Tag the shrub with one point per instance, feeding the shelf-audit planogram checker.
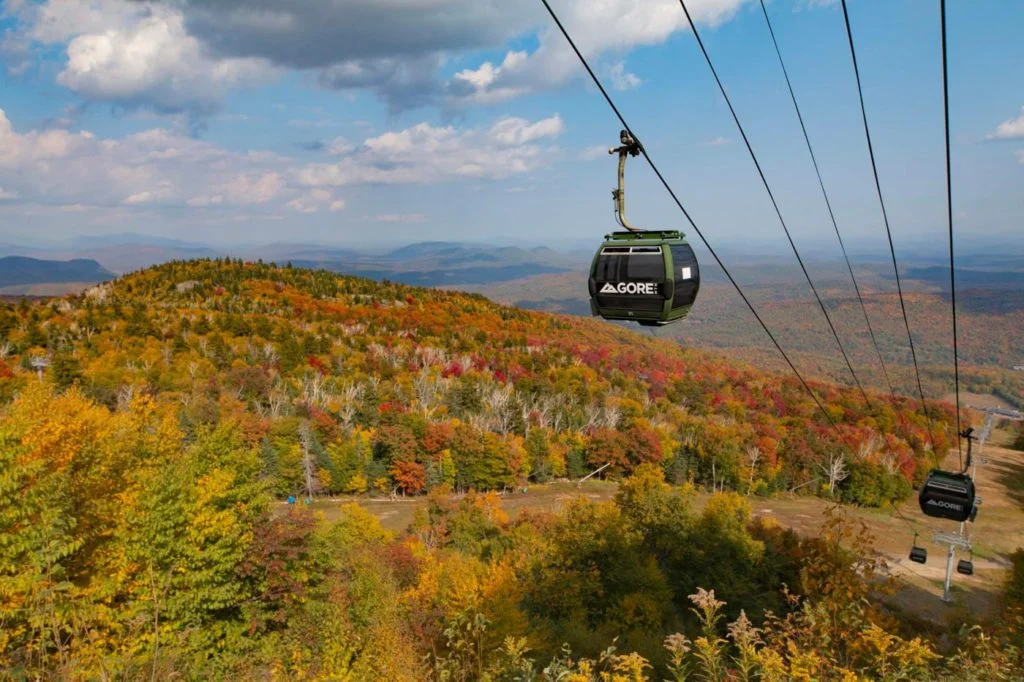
(870, 485)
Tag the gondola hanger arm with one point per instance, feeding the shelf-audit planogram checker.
(968, 434)
(630, 147)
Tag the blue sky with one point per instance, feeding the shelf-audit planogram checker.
(389, 121)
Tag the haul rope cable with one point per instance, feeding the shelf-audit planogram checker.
(828, 203)
(775, 204)
(949, 210)
(679, 204)
(885, 219)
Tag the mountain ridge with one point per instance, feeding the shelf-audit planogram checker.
(18, 270)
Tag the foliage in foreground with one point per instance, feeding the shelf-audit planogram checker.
(133, 549)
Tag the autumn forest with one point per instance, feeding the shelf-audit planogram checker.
(161, 434)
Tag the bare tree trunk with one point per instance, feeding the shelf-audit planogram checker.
(836, 470)
(753, 457)
(306, 442)
(592, 473)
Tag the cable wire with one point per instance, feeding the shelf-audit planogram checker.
(685, 213)
(898, 514)
(885, 218)
(828, 203)
(949, 210)
(778, 212)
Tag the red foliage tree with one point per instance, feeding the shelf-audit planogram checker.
(324, 423)
(454, 369)
(397, 442)
(409, 476)
(436, 438)
(318, 364)
(606, 446)
(277, 565)
(643, 445)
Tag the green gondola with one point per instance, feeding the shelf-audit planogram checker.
(951, 495)
(947, 495)
(646, 276)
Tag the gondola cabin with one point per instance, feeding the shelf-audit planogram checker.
(646, 277)
(947, 495)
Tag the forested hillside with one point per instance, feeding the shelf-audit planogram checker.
(990, 343)
(382, 387)
(140, 537)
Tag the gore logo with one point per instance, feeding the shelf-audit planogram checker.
(946, 505)
(643, 288)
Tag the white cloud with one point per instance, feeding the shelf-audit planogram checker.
(716, 142)
(424, 153)
(56, 21)
(139, 54)
(622, 79)
(243, 189)
(159, 168)
(594, 152)
(36, 147)
(315, 200)
(513, 130)
(1009, 130)
(487, 73)
(148, 196)
(479, 80)
(58, 167)
(184, 55)
(339, 145)
(395, 218)
(599, 28)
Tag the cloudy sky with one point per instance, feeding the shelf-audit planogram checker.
(351, 121)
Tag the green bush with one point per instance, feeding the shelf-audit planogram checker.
(870, 485)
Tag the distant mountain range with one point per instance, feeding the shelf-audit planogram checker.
(441, 263)
(18, 270)
(118, 257)
(424, 263)
(460, 264)
(971, 278)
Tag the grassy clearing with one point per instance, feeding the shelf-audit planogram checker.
(397, 513)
